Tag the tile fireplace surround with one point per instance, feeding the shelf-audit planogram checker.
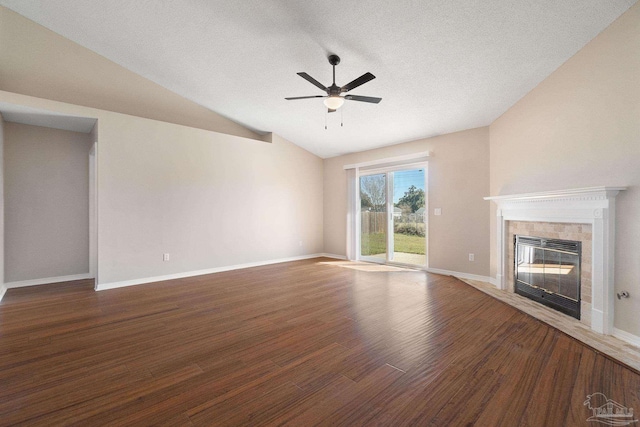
(584, 214)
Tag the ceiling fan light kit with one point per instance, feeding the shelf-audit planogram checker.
(333, 100)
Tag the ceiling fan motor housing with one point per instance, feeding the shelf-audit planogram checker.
(334, 90)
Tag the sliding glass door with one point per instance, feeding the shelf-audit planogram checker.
(393, 216)
(373, 217)
(409, 217)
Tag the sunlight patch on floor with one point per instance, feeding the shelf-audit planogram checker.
(364, 266)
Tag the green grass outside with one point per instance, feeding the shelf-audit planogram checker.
(373, 244)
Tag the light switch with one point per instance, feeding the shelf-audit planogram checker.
(437, 211)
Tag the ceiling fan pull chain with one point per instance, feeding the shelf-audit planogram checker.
(326, 113)
(341, 117)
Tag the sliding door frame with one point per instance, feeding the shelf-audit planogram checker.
(388, 171)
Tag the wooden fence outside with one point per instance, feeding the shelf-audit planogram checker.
(373, 222)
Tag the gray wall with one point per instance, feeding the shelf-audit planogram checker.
(46, 202)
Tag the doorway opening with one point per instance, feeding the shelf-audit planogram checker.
(50, 194)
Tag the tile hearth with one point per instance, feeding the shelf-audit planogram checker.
(582, 214)
(606, 344)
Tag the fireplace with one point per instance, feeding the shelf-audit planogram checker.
(575, 208)
(548, 271)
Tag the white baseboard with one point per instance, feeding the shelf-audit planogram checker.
(47, 280)
(498, 281)
(141, 281)
(43, 281)
(627, 337)
(460, 275)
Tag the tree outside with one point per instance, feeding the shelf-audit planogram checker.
(409, 223)
(412, 200)
(373, 193)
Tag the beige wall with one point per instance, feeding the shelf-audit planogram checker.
(458, 180)
(208, 199)
(580, 128)
(46, 202)
(38, 62)
(1, 204)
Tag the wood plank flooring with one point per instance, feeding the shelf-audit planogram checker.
(314, 342)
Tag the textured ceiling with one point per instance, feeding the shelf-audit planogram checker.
(441, 67)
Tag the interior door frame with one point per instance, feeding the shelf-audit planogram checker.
(388, 171)
(93, 212)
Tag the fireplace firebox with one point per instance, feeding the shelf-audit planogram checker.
(548, 271)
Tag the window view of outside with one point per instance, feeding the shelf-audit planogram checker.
(408, 217)
(409, 225)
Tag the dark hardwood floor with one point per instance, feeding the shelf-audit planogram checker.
(301, 343)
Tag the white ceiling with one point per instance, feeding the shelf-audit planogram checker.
(441, 66)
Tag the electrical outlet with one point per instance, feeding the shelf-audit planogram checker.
(472, 257)
(165, 257)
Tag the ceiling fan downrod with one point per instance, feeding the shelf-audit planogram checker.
(334, 60)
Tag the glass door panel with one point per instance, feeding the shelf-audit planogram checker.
(569, 278)
(537, 268)
(373, 217)
(409, 217)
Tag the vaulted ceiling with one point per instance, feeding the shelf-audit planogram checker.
(440, 67)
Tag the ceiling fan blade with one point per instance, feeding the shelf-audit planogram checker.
(371, 99)
(313, 81)
(357, 82)
(305, 97)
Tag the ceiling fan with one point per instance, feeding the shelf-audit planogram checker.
(334, 99)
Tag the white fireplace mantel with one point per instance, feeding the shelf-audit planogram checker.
(595, 206)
